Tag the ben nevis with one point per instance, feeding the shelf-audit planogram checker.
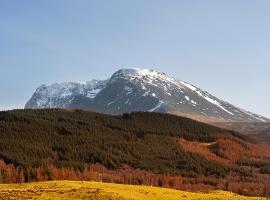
(129, 90)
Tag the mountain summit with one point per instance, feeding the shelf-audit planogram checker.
(130, 90)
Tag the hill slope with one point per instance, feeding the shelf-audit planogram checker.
(103, 191)
(149, 148)
(28, 137)
(259, 131)
(130, 90)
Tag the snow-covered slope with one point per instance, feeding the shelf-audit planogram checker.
(61, 95)
(140, 90)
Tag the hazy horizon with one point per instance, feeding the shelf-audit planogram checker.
(222, 47)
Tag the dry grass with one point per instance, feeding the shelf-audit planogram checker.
(104, 191)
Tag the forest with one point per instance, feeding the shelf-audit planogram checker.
(137, 148)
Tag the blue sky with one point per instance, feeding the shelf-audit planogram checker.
(221, 46)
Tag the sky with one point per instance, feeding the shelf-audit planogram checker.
(221, 46)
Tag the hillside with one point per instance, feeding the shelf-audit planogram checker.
(138, 148)
(103, 191)
(130, 90)
(246, 128)
(259, 131)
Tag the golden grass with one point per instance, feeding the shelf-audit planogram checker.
(105, 191)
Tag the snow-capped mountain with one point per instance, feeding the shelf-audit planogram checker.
(140, 90)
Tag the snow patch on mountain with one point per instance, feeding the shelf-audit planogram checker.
(128, 90)
(93, 93)
(159, 104)
(146, 93)
(259, 117)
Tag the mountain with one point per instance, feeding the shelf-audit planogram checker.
(137, 148)
(260, 131)
(246, 128)
(130, 90)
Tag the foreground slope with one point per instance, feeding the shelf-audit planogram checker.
(129, 90)
(103, 191)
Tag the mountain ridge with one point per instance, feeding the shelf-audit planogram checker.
(129, 90)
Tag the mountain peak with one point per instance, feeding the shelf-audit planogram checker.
(145, 75)
(138, 72)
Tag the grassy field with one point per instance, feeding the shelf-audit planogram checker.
(104, 191)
